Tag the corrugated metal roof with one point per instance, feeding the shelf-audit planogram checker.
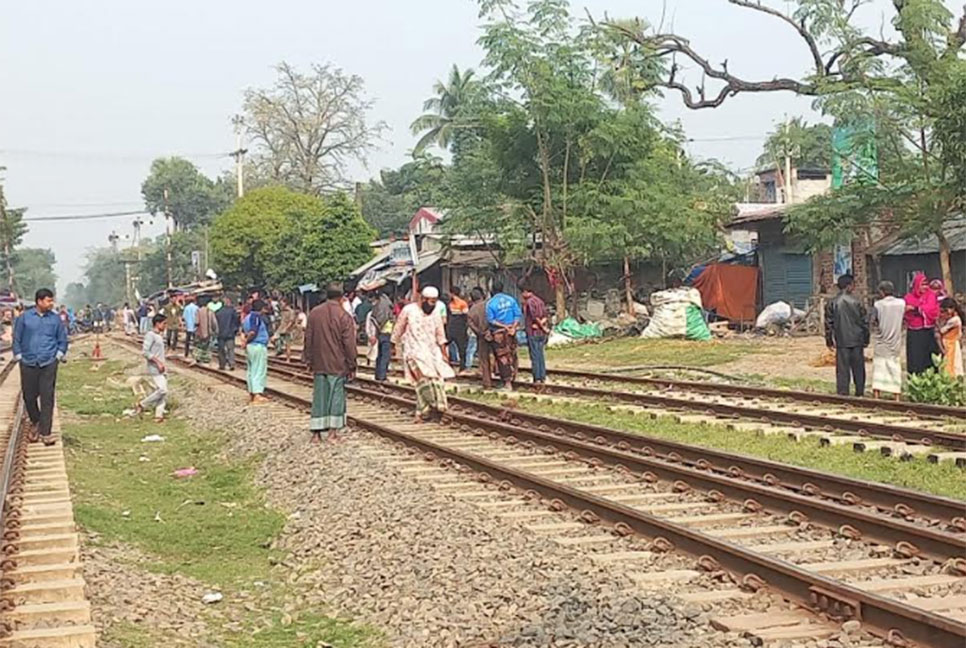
(955, 231)
(757, 212)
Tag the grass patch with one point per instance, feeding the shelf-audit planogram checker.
(214, 527)
(942, 479)
(815, 385)
(630, 352)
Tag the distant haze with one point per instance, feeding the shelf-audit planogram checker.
(93, 91)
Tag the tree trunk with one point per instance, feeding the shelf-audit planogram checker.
(944, 262)
(628, 294)
(560, 297)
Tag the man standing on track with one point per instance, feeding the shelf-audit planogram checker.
(39, 343)
(456, 327)
(190, 317)
(477, 323)
(207, 330)
(228, 325)
(537, 322)
(330, 351)
(255, 328)
(422, 334)
(127, 314)
(503, 318)
(153, 351)
(172, 325)
(382, 317)
(286, 327)
(847, 331)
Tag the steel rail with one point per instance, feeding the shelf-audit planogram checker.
(935, 543)
(886, 617)
(902, 407)
(904, 502)
(10, 453)
(795, 419)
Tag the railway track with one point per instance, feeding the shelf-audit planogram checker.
(904, 430)
(42, 599)
(901, 577)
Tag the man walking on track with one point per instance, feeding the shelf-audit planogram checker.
(847, 331)
(39, 343)
(207, 331)
(255, 329)
(330, 351)
(172, 325)
(153, 350)
(228, 325)
(421, 332)
(536, 320)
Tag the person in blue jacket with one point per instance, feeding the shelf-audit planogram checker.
(39, 344)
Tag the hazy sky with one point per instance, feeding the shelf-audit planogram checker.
(93, 91)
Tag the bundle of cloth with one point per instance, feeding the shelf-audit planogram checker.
(677, 313)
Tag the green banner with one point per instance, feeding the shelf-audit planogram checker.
(854, 155)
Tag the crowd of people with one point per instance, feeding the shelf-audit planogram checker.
(933, 325)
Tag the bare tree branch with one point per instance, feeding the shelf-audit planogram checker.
(799, 26)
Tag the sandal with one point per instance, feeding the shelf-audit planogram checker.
(32, 435)
(49, 440)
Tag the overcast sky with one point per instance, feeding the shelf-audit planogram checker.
(93, 91)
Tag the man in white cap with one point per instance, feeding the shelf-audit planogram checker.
(423, 336)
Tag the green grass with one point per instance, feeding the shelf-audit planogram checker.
(630, 352)
(943, 479)
(214, 527)
(816, 385)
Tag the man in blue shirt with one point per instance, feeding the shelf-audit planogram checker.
(255, 328)
(190, 316)
(39, 343)
(503, 318)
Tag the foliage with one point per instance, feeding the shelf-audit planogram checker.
(307, 128)
(447, 111)
(153, 275)
(193, 199)
(937, 387)
(12, 230)
(808, 146)
(104, 275)
(908, 84)
(275, 236)
(34, 268)
(390, 202)
(75, 295)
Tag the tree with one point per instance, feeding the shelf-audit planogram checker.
(192, 198)
(12, 230)
(34, 268)
(897, 84)
(389, 203)
(308, 127)
(154, 264)
(277, 237)
(446, 112)
(806, 145)
(104, 274)
(75, 296)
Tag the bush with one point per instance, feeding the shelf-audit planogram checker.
(937, 387)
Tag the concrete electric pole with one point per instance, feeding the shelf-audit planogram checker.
(239, 154)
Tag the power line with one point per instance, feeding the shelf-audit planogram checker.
(81, 217)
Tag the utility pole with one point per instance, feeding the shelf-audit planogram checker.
(239, 154)
(167, 237)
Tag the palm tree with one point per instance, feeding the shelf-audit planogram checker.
(442, 117)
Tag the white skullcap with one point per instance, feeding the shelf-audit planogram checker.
(430, 292)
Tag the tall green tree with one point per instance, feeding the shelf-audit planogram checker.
(807, 145)
(447, 111)
(176, 186)
(280, 238)
(34, 269)
(390, 202)
(900, 83)
(104, 276)
(12, 230)
(153, 270)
